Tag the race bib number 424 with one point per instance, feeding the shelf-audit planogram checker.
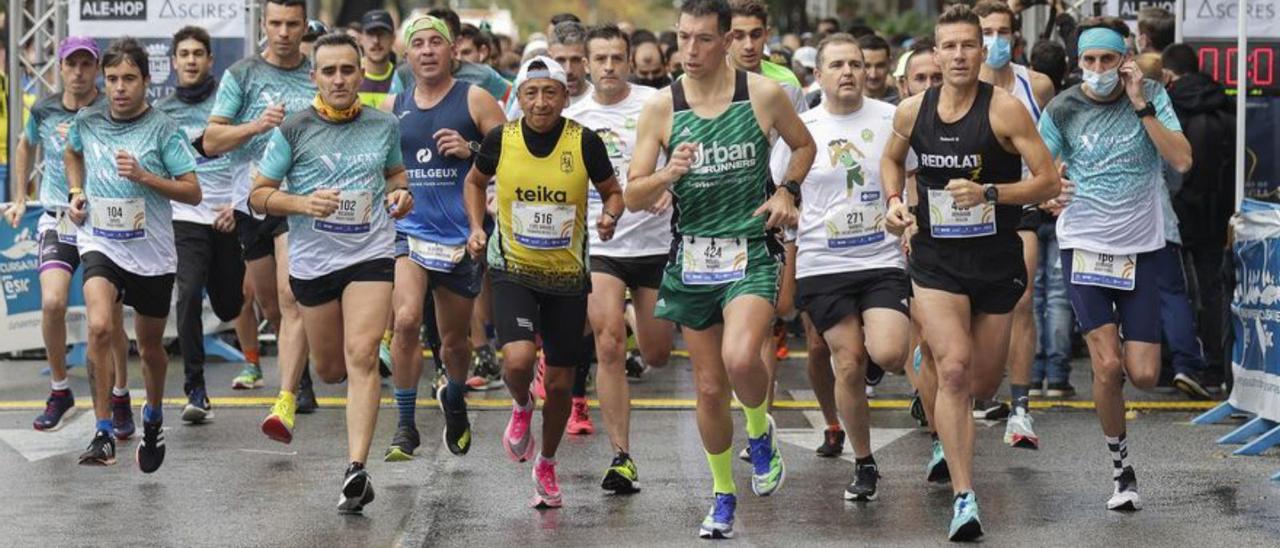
(711, 261)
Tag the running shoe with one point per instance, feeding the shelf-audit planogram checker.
(622, 477)
(384, 358)
(1061, 389)
(580, 419)
(917, 410)
(832, 443)
(151, 450)
(965, 524)
(936, 470)
(537, 389)
(990, 410)
(719, 521)
(863, 488)
(518, 438)
(768, 471)
(780, 340)
(122, 417)
(546, 489)
(875, 374)
(745, 455)
(457, 427)
(1037, 389)
(306, 398)
(486, 373)
(635, 366)
(403, 444)
(60, 406)
(870, 391)
(1191, 386)
(357, 490)
(250, 377)
(197, 409)
(1125, 496)
(1019, 431)
(101, 451)
(279, 424)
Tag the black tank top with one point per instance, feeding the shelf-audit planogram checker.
(964, 149)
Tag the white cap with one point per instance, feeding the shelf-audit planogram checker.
(807, 57)
(553, 71)
(534, 48)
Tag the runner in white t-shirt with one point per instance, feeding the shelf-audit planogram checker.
(851, 283)
(632, 260)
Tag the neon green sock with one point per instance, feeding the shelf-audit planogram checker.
(722, 472)
(757, 419)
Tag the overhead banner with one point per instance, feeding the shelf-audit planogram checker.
(1217, 19)
(1255, 310)
(154, 22)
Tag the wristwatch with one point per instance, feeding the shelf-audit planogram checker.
(474, 147)
(990, 193)
(794, 188)
(1149, 110)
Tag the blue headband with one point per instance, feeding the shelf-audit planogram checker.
(1101, 38)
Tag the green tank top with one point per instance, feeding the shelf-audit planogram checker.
(729, 176)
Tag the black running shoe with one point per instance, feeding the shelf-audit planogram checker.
(357, 490)
(990, 410)
(635, 366)
(1190, 385)
(151, 450)
(101, 451)
(306, 394)
(875, 374)
(622, 477)
(863, 487)
(403, 443)
(1062, 389)
(917, 410)
(832, 443)
(457, 427)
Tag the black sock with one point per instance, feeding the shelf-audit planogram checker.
(1021, 396)
(869, 460)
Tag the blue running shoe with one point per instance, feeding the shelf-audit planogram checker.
(719, 521)
(965, 525)
(767, 469)
(936, 471)
(57, 409)
(197, 409)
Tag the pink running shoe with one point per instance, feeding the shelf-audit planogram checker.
(580, 419)
(546, 489)
(518, 439)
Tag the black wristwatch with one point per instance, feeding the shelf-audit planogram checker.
(794, 188)
(990, 193)
(1149, 110)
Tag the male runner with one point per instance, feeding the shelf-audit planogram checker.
(750, 29)
(253, 98)
(208, 249)
(441, 119)
(125, 161)
(965, 261)
(851, 283)
(377, 35)
(632, 260)
(543, 163)
(346, 182)
(1033, 90)
(722, 276)
(1112, 131)
(875, 50)
(47, 126)
(476, 74)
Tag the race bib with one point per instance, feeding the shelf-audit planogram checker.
(66, 229)
(712, 261)
(353, 216)
(542, 226)
(120, 219)
(434, 256)
(946, 220)
(854, 225)
(1103, 269)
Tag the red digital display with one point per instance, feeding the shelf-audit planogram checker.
(1219, 59)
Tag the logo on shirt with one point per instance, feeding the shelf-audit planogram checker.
(566, 162)
(158, 61)
(844, 153)
(718, 158)
(541, 194)
(423, 156)
(612, 142)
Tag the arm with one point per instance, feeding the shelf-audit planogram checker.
(1042, 88)
(399, 199)
(73, 161)
(781, 209)
(184, 188)
(387, 103)
(611, 193)
(473, 199)
(266, 196)
(1163, 128)
(21, 165)
(893, 170)
(1012, 125)
(485, 111)
(645, 183)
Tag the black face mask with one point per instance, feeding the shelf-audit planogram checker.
(656, 83)
(198, 92)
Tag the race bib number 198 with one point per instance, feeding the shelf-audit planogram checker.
(1103, 269)
(711, 261)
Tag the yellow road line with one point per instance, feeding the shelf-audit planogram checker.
(640, 403)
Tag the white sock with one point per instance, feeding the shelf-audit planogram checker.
(64, 384)
(120, 391)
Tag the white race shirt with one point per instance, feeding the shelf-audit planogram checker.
(842, 213)
(640, 233)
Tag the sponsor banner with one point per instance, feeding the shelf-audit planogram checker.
(20, 314)
(1218, 19)
(116, 18)
(1255, 310)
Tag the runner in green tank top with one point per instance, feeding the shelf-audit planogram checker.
(722, 276)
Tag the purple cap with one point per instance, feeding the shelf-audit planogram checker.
(72, 44)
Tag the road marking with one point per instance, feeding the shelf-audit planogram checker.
(812, 437)
(266, 452)
(34, 445)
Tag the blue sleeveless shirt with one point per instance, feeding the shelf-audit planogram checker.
(435, 180)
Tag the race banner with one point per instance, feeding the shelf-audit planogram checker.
(1218, 19)
(1255, 310)
(153, 23)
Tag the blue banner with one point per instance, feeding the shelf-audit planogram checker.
(1255, 309)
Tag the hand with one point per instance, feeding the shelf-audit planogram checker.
(476, 243)
(781, 210)
(225, 220)
(898, 219)
(78, 210)
(605, 226)
(680, 161)
(322, 203)
(965, 193)
(1131, 76)
(491, 204)
(15, 212)
(62, 129)
(450, 143)
(128, 167)
(400, 202)
(664, 202)
(270, 118)
(907, 234)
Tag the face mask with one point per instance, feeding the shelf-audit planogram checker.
(1101, 83)
(999, 50)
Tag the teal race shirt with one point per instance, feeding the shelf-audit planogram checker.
(42, 129)
(217, 175)
(352, 158)
(128, 222)
(246, 90)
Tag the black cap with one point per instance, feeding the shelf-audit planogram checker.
(377, 19)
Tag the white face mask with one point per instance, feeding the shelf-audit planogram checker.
(1101, 83)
